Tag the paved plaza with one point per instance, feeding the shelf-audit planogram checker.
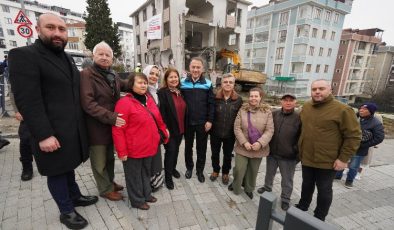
(191, 205)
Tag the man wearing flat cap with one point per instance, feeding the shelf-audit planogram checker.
(372, 134)
(283, 149)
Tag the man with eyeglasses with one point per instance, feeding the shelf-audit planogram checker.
(227, 104)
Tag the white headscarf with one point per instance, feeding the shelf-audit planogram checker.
(152, 89)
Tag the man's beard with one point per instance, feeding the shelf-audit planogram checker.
(57, 48)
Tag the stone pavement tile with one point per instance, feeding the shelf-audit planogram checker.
(186, 219)
(153, 223)
(201, 219)
(24, 224)
(219, 220)
(165, 209)
(163, 223)
(172, 221)
(39, 224)
(10, 212)
(93, 216)
(38, 213)
(346, 222)
(24, 213)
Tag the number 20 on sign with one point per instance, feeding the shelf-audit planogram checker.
(25, 31)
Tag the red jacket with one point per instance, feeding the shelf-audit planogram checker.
(139, 137)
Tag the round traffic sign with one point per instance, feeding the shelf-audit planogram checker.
(25, 31)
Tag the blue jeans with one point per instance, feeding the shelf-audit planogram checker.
(353, 166)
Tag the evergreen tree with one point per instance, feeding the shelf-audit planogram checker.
(99, 26)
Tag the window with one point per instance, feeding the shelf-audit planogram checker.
(343, 42)
(328, 16)
(261, 37)
(137, 20)
(8, 20)
(248, 39)
(145, 33)
(139, 58)
(337, 70)
(329, 52)
(332, 36)
(317, 14)
(284, 18)
(10, 32)
(232, 39)
(279, 53)
(278, 69)
(317, 68)
(282, 36)
(323, 36)
(314, 33)
(73, 45)
(266, 20)
(13, 43)
(311, 50)
(340, 56)
(239, 17)
(247, 53)
(166, 4)
(144, 16)
(5, 8)
(325, 68)
(146, 58)
(308, 68)
(166, 29)
(1, 32)
(321, 51)
(153, 9)
(138, 40)
(71, 32)
(249, 23)
(336, 18)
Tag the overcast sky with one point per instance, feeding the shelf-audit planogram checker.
(365, 13)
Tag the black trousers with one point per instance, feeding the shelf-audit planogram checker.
(228, 147)
(201, 146)
(323, 179)
(171, 154)
(25, 147)
(64, 190)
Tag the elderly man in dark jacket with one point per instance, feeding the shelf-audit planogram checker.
(283, 148)
(45, 82)
(227, 104)
(372, 134)
(100, 90)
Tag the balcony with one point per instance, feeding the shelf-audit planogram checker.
(300, 58)
(166, 43)
(301, 40)
(260, 45)
(258, 60)
(299, 76)
(355, 77)
(166, 14)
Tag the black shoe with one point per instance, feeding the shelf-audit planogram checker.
(348, 184)
(85, 201)
(176, 174)
(73, 220)
(3, 143)
(200, 177)
(188, 174)
(301, 208)
(262, 190)
(230, 187)
(285, 206)
(27, 174)
(338, 177)
(169, 183)
(250, 195)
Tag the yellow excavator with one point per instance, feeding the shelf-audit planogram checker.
(245, 78)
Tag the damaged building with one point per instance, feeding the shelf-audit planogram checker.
(169, 33)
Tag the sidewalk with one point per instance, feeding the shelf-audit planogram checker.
(191, 205)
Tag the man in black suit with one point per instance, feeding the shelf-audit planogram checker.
(45, 82)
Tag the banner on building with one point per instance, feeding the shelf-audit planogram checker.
(154, 27)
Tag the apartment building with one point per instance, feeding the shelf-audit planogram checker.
(76, 36)
(170, 32)
(127, 45)
(294, 42)
(9, 37)
(382, 69)
(356, 49)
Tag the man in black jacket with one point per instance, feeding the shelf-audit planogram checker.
(283, 149)
(227, 104)
(45, 83)
(200, 101)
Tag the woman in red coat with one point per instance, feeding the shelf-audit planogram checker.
(137, 141)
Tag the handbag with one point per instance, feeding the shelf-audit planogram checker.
(162, 135)
(253, 133)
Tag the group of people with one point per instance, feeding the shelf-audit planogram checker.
(72, 116)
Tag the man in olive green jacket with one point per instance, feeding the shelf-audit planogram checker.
(330, 136)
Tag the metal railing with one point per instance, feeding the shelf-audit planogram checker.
(294, 218)
(3, 85)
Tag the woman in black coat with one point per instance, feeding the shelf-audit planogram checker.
(172, 109)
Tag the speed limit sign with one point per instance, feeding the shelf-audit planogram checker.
(25, 31)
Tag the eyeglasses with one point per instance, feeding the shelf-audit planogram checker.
(228, 82)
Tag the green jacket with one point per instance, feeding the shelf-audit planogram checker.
(330, 131)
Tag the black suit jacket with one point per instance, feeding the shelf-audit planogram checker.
(47, 95)
(168, 111)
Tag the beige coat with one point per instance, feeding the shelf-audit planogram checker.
(261, 118)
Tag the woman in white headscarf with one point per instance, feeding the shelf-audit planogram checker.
(153, 74)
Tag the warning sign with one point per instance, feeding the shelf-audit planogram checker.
(21, 18)
(25, 31)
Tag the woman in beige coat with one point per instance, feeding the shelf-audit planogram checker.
(253, 130)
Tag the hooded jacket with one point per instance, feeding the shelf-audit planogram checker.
(261, 118)
(373, 125)
(330, 131)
